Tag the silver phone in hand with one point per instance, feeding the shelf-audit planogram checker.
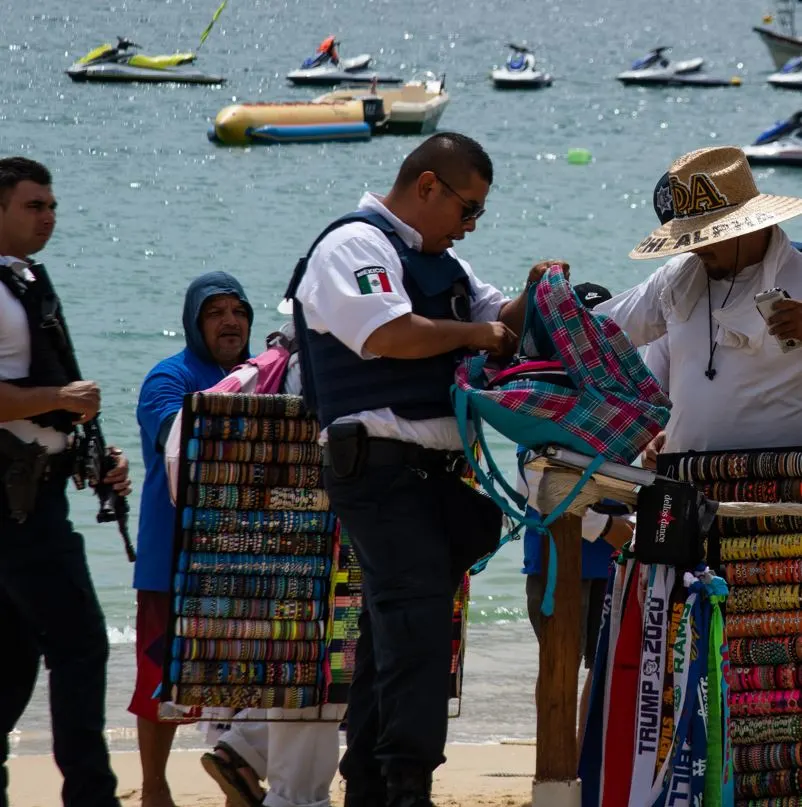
(765, 305)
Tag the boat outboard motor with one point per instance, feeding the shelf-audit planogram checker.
(373, 110)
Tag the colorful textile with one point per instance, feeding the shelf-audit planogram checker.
(765, 677)
(228, 608)
(710, 467)
(770, 783)
(206, 628)
(249, 697)
(255, 565)
(251, 405)
(261, 544)
(773, 623)
(281, 521)
(264, 475)
(760, 525)
(258, 452)
(764, 598)
(303, 673)
(776, 729)
(780, 801)
(246, 650)
(773, 702)
(779, 650)
(764, 572)
(761, 490)
(242, 497)
(263, 429)
(772, 757)
(278, 588)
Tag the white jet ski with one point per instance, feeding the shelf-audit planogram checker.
(520, 71)
(656, 70)
(326, 68)
(779, 145)
(789, 77)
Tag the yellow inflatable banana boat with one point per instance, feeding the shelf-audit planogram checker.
(243, 124)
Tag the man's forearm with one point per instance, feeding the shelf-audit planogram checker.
(413, 337)
(513, 312)
(24, 402)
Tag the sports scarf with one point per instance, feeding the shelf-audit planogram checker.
(651, 682)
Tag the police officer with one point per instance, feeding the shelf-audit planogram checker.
(48, 605)
(384, 309)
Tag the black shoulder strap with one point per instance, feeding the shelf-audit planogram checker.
(374, 219)
(13, 282)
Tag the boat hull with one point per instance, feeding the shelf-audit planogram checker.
(781, 47)
(331, 78)
(772, 155)
(506, 80)
(681, 80)
(123, 73)
(786, 81)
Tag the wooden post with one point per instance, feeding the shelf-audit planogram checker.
(556, 783)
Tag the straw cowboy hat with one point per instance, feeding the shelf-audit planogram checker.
(714, 198)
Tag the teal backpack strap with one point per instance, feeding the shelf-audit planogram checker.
(547, 606)
(462, 405)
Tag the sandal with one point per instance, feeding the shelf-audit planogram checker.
(226, 774)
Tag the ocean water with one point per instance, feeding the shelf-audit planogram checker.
(146, 203)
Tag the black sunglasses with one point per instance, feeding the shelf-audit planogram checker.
(470, 210)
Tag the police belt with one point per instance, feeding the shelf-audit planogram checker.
(386, 451)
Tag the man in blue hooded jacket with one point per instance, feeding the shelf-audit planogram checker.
(217, 322)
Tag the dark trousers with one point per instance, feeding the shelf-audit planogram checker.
(413, 553)
(48, 607)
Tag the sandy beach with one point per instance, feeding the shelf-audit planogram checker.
(498, 775)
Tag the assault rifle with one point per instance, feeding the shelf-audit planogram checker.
(93, 459)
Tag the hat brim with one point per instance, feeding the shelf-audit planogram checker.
(684, 235)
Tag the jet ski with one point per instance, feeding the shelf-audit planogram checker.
(779, 145)
(115, 63)
(790, 76)
(326, 68)
(520, 71)
(655, 69)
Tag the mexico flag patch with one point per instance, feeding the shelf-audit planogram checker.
(373, 280)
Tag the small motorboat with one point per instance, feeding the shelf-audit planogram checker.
(116, 63)
(779, 145)
(326, 68)
(655, 69)
(789, 77)
(414, 108)
(520, 71)
(782, 40)
(343, 114)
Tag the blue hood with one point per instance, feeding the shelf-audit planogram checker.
(199, 291)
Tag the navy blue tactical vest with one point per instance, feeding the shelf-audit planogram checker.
(47, 368)
(337, 382)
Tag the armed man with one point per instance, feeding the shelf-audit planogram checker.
(48, 605)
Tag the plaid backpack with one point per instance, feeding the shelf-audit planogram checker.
(609, 405)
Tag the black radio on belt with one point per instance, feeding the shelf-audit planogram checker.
(673, 520)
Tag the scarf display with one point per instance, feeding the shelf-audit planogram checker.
(657, 729)
(761, 560)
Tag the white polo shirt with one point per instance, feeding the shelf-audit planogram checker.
(334, 302)
(15, 359)
(755, 399)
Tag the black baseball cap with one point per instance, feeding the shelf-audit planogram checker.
(662, 200)
(591, 294)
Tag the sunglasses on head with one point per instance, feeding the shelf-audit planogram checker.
(470, 210)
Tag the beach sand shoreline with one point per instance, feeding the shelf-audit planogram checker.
(492, 775)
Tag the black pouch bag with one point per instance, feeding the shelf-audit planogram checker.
(673, 519)
(474, 523)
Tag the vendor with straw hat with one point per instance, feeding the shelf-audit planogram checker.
(731, 382)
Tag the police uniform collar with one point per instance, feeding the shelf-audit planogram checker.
(17, 265)
(373, 203)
